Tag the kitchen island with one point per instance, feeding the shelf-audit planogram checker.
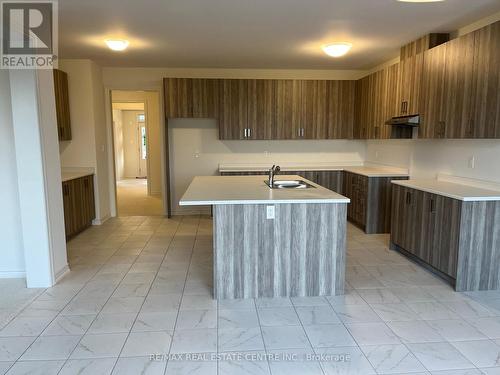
(273, 242)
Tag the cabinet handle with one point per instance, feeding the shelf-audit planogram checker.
(408, 197)
(245, 133)
(302, 130)
(471, 128)
(432, 208)
(249, 132)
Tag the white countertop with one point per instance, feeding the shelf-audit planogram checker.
(369, 171)
(68, 174)
(213, 190)
(452, 190)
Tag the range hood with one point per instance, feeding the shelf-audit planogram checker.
(411, 120)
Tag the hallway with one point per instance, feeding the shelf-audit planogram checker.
(133, 199)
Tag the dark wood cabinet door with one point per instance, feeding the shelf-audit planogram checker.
(456, 104)
(340, 96)
(432, 98)
(262, 108)
(410, 73)
(205, 98)
(178, 97)
(68, 208)
(446, 214)
(401, 219)
(61, 95)
(485, 118)
(313, 110)
(390, 100)
(287, 109)
(233, 109)
(363, 103)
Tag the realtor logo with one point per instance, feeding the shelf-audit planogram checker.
(29, 35)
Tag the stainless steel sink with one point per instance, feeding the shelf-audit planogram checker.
(289, 184)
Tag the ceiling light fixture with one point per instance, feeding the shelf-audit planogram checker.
(117, 44)
(337, 49)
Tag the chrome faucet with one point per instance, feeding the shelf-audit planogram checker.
(272, 172)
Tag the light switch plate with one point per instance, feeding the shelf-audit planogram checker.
(270, 212)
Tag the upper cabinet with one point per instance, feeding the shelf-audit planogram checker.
(432, 88)
(62, 105)
(340, 109)
(233, 110)
(485, 102)
(410, 75)
(453, 85)
(376, 102)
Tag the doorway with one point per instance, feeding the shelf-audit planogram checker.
(134, 148)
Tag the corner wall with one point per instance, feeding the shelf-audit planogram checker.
(88, 147)
(12, 256)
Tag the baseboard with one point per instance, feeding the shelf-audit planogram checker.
(12, 274)
(65, 270)
(193, 211)
(101, 221)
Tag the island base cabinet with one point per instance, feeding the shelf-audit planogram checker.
(460, 241)
(79, 206)
(301, 252)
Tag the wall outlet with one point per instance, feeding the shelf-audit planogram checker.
(472, 162)
(267, 154)
(270, 212)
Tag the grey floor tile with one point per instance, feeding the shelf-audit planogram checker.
(285, 337)
(155, 321)
(147, 344)
(99, 346)
(113, 323)
(329, 335)
(193, 319)
(101, 366)
(439, 356)
(240, 339)
(392, 359)
(278, 316)
(238, 318)
(345, 361)
(36, 368)
(51, 348)
(139, 366)
(11, 348)
(194, 341)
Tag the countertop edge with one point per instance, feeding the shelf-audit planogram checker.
(468, 198)
(278, 201)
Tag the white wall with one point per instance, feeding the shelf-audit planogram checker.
(88, 147)
(130, 144)
(12, 256)
(38, 175)
(195, 150)
(427, 158)
(118, 143)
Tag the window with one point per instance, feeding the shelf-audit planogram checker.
(140, 117)
(143, 143)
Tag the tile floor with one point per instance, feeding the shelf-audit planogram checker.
(140, 286)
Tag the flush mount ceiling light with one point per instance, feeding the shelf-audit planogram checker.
(117, 44)
(337, 49)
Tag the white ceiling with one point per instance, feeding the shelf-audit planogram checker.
(285, 34)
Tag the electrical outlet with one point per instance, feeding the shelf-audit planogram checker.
(472, 162)
(270, 212)
(267, 153)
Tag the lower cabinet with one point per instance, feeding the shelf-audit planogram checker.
(428, 227)
(79, 205)
(456, 239)
(371, 201)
